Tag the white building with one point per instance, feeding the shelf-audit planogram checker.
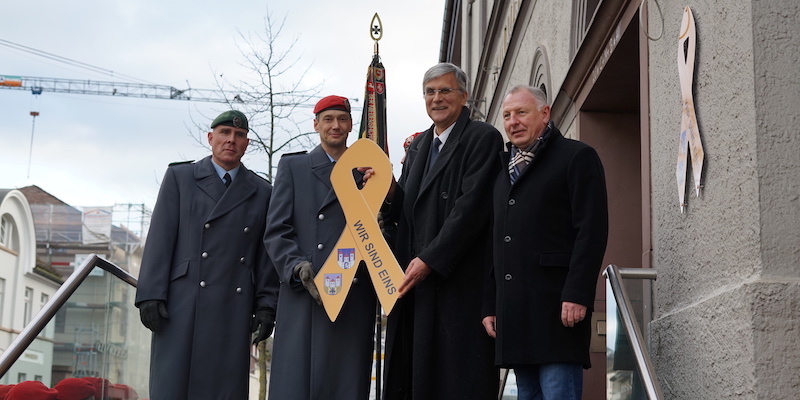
(24, 289)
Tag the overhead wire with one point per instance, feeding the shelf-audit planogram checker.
(68, 61)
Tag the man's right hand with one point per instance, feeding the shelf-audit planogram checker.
(305, 273)
(151, 312)
(416, 272)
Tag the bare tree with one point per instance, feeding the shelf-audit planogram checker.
(269, 94)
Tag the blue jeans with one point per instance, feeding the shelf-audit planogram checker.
(550, 382)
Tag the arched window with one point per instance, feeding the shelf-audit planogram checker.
(540, 74)
(582, 16)
(7, 233)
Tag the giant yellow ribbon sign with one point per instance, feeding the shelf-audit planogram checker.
(361, 239)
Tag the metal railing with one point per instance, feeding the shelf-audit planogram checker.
(644, 366)
(38, 323)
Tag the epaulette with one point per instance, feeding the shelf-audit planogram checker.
(294, 154)
(180, 162)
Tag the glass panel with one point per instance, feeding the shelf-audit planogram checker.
(622, 379)
(97, 333)
(510, 388)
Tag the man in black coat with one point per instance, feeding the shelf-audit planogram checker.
(436, 346)
(205, 280)
(549, 237)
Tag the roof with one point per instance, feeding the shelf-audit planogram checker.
(37, 195)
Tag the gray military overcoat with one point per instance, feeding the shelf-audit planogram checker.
(314, 358)
(204, 256)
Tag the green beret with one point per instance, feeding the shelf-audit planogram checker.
(232, 118)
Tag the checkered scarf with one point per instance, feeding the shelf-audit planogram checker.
(521, 158)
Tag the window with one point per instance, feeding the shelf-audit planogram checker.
(22, 377)
(44, 300)
(6, 231)
(540, 74)
(28, 307)
(38, 378)
(582, 17)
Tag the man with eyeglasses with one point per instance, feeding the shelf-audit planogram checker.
(436, 346)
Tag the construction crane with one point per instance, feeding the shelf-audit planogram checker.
(38, 85)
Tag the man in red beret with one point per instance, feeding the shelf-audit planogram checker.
(314, 358)
(75, 389)
(31, 390)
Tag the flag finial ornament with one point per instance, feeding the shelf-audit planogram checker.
(376, 30)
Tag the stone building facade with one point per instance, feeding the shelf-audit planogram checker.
(724, 314)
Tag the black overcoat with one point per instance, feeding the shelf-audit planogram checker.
(437, 347)
(314, 358)
(550, 233)
(204, 256)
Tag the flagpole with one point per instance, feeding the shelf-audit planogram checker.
(376, 32)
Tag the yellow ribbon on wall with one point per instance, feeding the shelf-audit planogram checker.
(690, 146)
(361, 239)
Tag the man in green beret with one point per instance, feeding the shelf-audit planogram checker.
(206, 282)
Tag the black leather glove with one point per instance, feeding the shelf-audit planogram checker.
(381, 223)
(305, 273)
(151, 312)
(263, 322)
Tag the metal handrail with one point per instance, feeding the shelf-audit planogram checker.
(614, 275)
(38, 323)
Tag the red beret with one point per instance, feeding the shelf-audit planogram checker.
(31, 390)
(332, 103)
(4, 391)
(409, 140)
(101, 386)
(123, 392)
(74, 389)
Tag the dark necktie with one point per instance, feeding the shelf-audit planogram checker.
(227, 178)
(434, 152)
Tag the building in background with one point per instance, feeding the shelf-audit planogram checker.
(723, 318)
(90, 335)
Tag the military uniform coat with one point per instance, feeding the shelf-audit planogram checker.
(314, 358)
(204, 256)
(437, 347)
(550, 233)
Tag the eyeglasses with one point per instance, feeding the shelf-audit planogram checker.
(444, 91)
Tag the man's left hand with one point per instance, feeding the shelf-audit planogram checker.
(263, 322)
(490, 324)
(572, 313)
(417, 271)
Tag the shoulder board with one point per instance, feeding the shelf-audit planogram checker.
(180, 162)
(294, 154)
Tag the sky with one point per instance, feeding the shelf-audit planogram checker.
(90, 150)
